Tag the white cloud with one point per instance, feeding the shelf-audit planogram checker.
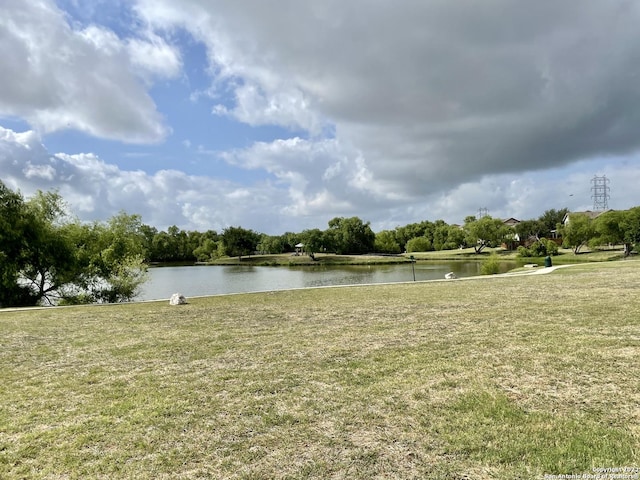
(57, 77)
(96, 189)
(154, 56)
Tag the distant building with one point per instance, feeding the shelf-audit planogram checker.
(514, 239)
(511, 222)
(592, 214)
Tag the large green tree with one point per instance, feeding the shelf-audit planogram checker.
(414, 230)
(531, 229)
(351, 235)
(419, 244)
(386, 242)
(314, 240)
(618, 227)
(484, 232)
(551, 221)
(577, 231)
(238, 242)
(12, 242)
(47, 257)
(631, 226)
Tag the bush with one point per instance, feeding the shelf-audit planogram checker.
(491, 266)
(539, 248)
(552, 247)
(419, 244)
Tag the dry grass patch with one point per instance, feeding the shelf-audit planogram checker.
(489, 378)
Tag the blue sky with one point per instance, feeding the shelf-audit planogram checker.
(278, 116)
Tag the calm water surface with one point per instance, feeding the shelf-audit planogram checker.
(200, 280)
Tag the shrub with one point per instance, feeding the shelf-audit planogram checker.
(419, 244)
(490, 266)
(552, 247)
(539, 248)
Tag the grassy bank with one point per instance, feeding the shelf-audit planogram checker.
(503, 377)
(288, 259)
(566, 256)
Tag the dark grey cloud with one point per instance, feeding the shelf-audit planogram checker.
(436, 93)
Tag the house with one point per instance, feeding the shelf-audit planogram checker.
(511, 222)
(514, 239)
(592, 214)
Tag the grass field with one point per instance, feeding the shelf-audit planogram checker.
(496, 377)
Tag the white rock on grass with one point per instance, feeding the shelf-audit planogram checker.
(177, 299)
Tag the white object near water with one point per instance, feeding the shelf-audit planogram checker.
(177, 299)
(450, 276)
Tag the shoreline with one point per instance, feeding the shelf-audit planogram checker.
(533, 271)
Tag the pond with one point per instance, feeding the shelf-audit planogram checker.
(200, 280)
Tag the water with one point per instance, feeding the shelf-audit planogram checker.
(193, 281)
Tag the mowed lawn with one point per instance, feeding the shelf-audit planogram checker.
(503, 377)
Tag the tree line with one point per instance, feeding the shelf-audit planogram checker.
(50, 257)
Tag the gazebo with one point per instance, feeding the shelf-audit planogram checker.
(299, 248)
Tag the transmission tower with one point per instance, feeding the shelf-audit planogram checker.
(482, 212)
(600, 189)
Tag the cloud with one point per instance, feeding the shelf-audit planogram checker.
(394, 112)
(432, 94)
(96, 189)
(59, 76)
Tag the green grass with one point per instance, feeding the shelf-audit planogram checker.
(288, 259)
(565, 255)
(496, 377)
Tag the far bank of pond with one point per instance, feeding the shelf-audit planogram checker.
(200, 280)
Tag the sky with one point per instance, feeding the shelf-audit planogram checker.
(279, 116)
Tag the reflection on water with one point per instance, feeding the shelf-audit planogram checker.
(200, 280)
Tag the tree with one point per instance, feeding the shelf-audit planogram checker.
(385, 242)
(440, 236)
(110, 261)
(540, 248)
(551, 219)
(531, 229)
(12, 226)
(207, 247)
(148, 233)
(271, 244)
(484, 232)
(47, 257)
(351, 235)
(630, 224)
(314, 240)
(419, 244)
(455, 238)
(618, 227)
(414, 230)
(608, 228)
(237, 241)
(577, 231)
